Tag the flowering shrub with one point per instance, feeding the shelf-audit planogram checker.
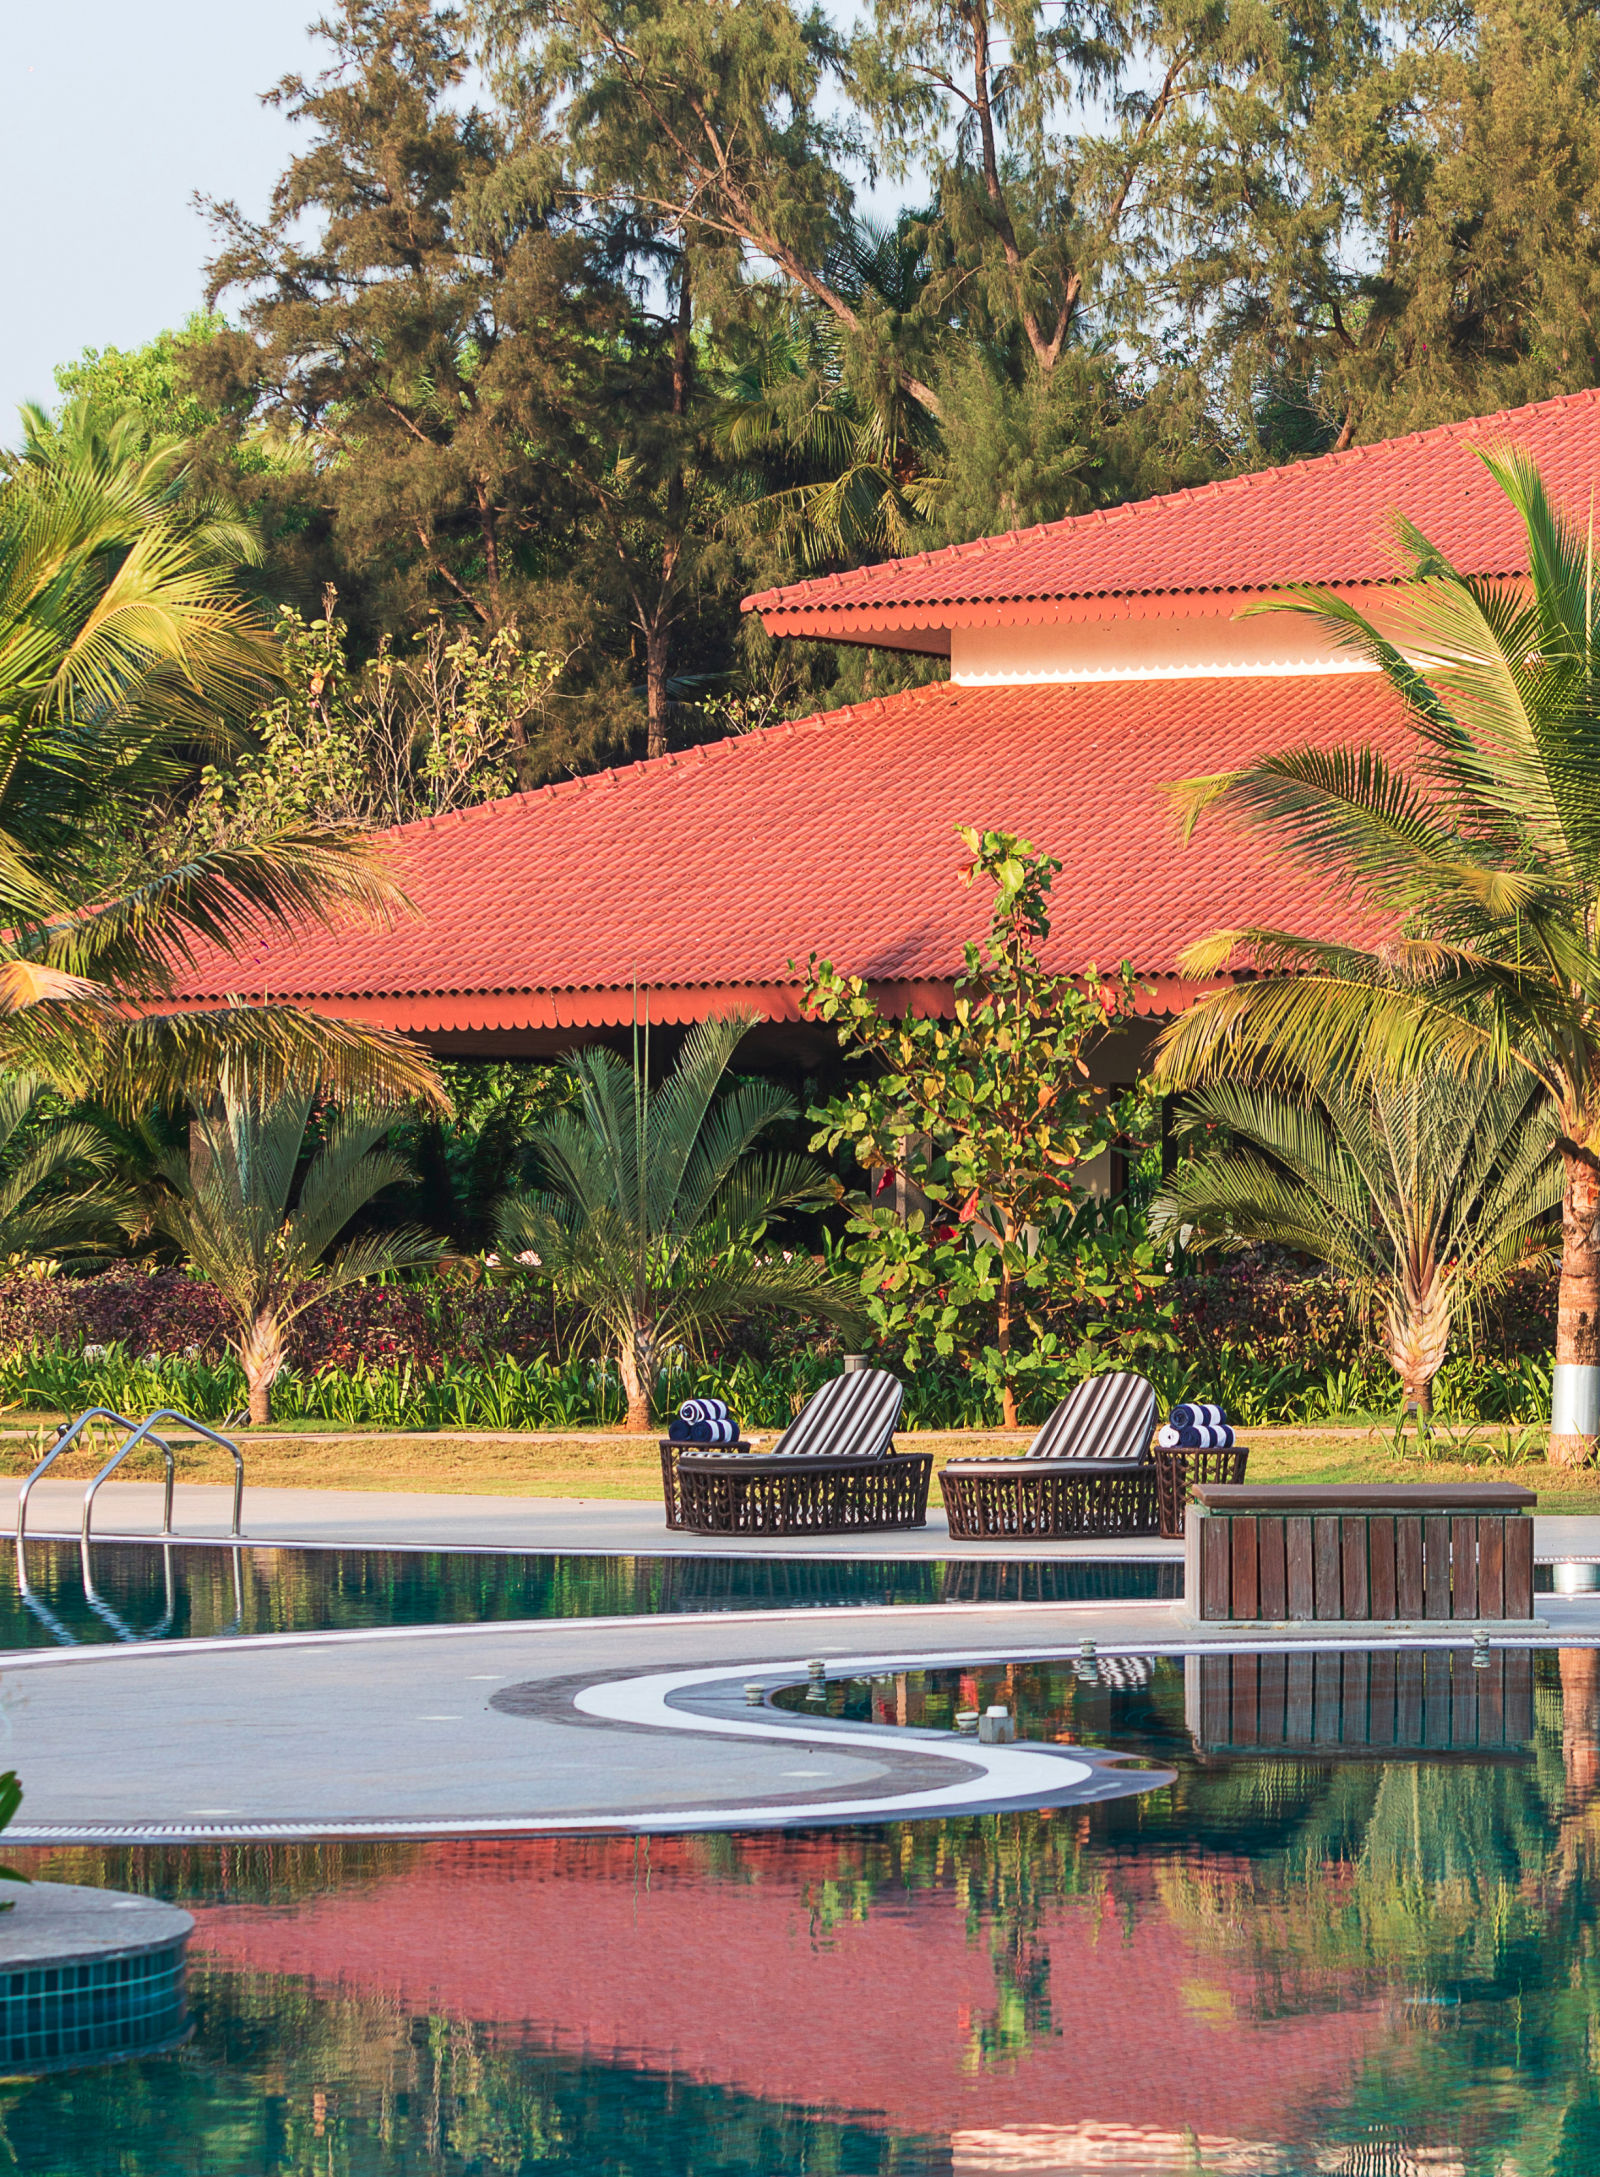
(1273, 1344)
(168, 1313)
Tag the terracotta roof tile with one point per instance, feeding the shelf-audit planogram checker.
(1324, 520)
(833, 834)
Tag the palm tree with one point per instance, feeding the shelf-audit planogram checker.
(1425, 1195)
(1482, 859)
(128, 651)
(852, 460)
(261, 1240)
(659, 1208)
(57, 1195)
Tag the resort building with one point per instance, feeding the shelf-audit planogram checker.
(1092, 663)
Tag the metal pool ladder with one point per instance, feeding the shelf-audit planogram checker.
(137, 1433)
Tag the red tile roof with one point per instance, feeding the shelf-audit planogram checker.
(701, 875)
(1326, 520)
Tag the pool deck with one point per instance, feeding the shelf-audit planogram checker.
(600, 1724)
(605, 1526)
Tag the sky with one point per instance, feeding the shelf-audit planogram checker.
(117, 112)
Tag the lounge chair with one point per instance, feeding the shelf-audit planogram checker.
(1088, 1471)
(834, 1470)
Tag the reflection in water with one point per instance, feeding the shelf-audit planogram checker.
(55, 1593)
(1291, 1960)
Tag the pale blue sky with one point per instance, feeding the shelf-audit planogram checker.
(117, 111)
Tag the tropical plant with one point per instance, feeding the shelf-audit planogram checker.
(127, 648)
(57, 1195)
(1425, 1195)
(975, 1133)
(853, 461)
(657, 1217)
(1481, 857)
(262, 1240)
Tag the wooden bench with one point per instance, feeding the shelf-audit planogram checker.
(1405, 1554)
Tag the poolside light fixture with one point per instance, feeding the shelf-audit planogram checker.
(1480, 1650)
(755, 1693)
(966, 1719)
(817, 1668)
(1086, 1670)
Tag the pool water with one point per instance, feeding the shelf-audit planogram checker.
(1283, 1964)
(56, 1594)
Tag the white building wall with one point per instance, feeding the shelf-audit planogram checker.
(1208, 647)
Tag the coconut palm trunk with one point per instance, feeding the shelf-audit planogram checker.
(1575, 1400)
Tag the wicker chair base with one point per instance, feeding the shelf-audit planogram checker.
(670, 1454)
(1177, 1472)
(1021, 1500)
(756, 1495)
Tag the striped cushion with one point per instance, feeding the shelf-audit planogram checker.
(852, 1416)
(1106, 1417)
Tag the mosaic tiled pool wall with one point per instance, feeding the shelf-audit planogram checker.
(92, 2010)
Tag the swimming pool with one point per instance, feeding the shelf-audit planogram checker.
(54, 1594)
(1281, 1965)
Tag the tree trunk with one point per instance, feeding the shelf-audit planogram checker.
(261, 1358)
(655, 684)
(1575, 1405)
(1008, 1393)
(633, 1366)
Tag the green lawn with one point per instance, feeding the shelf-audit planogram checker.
(596, 1465)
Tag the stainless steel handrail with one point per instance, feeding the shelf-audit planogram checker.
(146, 1428)
(63, 1442)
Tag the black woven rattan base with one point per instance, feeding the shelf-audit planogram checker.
(757, 1495)
(1021, 1498)
(1177, 1472)
(670, 1452)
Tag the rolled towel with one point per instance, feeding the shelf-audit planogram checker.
(1197, 1417)
(725, 1431)
(1195, 1439)
(703, 1409)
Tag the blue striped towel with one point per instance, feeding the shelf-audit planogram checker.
(725, 1431)
(1197, 1417)
(704, 1409)
(1172, 1438)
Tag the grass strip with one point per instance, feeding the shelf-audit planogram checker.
(590, 1464)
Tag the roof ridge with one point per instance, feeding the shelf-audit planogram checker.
(790, 596)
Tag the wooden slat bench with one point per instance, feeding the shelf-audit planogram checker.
(1409, 1553)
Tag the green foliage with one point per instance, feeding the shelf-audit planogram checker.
(153, 382)
(1483, 856)
(656, 1223)
(457, 721)
(1425, 1196)
(128, 650)
(269, 1257)
(984, 1124)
